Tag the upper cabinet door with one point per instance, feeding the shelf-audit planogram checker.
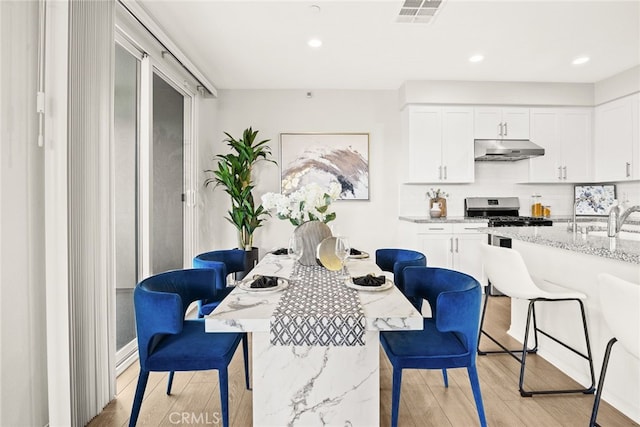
(544, 132)
(501, 123)
(457, 145)
(425, 144)
(488, 123)
(565, 135)
(617, 150)
(576, 137)
(516, 123)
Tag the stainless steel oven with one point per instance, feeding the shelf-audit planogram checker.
(501, 212)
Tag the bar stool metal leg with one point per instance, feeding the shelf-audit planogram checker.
(603, 373)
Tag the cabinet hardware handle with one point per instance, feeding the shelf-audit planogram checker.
(506, 129)
(628, 169)
(564, 172)
(457, 245)
(499, 129)
(471, 228)
(559, 172)
(436, 228)
(451, 242)
(440, 172)
(445, 172)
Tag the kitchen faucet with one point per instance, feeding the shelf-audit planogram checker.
(574, 225)
(617, 218)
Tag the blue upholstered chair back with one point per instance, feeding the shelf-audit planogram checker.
(161, 302)
(396, 260)
(455, 300)
(231, 260)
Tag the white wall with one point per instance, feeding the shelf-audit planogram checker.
(23, 381)
(370, 224)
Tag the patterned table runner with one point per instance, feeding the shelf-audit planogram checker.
(317, 309)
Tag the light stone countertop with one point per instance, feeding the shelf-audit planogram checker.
(449, 219)
(558, 237)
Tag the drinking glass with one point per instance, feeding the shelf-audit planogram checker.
(342, 252)
(294, 250)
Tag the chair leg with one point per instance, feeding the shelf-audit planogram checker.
(445, 377)
(603, 373)
(245, 354)
(531, 314)
(137, 400)
(481, 332)
(170, 382)
(477, 395)
(395, 395)
(224, 395)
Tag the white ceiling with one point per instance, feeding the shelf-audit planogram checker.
(263, 44)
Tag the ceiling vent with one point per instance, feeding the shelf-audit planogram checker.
(419, 11)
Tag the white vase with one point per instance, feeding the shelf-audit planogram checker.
(310, 234)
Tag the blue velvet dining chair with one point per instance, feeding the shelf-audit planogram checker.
(396, 260)
(231, 261)
(168, 343)
(449, 338)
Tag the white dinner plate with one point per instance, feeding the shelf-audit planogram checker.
(246, 285)
(388, 284)
(363, 255)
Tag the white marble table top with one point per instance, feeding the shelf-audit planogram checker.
(245, 311)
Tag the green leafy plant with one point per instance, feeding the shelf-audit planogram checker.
(234, 175)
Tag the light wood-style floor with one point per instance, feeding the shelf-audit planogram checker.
(195, 400)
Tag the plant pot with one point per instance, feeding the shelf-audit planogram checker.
(310, 234)
(250, 261)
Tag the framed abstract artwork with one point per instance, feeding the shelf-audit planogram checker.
(324, 158)
(594, 199)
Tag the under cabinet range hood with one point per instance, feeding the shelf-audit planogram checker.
(506, 150)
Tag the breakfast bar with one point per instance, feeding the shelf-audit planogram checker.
(310, 378)
(574, 260)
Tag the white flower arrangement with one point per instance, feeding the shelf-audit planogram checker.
(436, 194)
(309, 203)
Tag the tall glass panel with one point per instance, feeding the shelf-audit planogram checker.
(125, 192)
(168, 175)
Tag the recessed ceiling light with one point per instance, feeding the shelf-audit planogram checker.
(315, 42)
(580, 60)
(476, 58)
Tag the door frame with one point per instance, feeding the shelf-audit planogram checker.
(152, 60)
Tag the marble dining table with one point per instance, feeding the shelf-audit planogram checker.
(314, 376)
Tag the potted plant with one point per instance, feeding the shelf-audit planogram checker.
(233, 173)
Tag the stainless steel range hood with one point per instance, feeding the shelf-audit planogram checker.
(506, 150)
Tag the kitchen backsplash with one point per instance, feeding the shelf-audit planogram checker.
(502, 179)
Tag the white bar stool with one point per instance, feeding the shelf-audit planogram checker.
(620, 304)
(507, 271)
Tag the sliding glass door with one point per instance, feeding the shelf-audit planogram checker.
(150, 180)
(168, 177)
(125, 184)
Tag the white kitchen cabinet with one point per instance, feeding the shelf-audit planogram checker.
(455, 246)
(439, 144)
(566, 136)
(617, 145)
(501, 123)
